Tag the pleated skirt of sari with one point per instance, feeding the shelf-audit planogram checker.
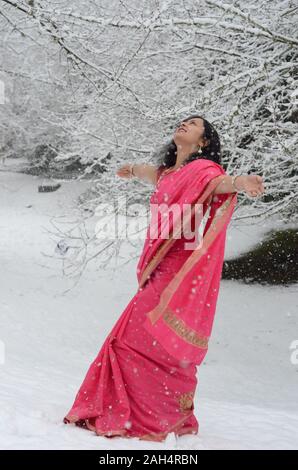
(134, 388)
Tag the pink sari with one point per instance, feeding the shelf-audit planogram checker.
(142, 382)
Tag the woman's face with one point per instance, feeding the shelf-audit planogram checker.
(190, 132)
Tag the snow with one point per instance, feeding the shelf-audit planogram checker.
(247, 387)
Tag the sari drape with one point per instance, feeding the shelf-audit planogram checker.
(142, 382)
(182, 321)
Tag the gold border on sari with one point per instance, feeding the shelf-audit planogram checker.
(182, 330)
(186, 402)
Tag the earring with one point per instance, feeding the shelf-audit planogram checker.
(200, 150)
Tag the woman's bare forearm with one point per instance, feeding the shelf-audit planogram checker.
(145, 172)
(251, 184)
(226, 185)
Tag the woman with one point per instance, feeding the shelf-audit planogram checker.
(143, 381)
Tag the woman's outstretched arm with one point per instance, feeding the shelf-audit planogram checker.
(251, 184)
(142, 171)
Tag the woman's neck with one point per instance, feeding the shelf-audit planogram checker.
(182, 154)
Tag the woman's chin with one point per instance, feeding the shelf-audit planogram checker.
(179, 140)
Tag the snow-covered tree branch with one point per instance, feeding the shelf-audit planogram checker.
(114, 77)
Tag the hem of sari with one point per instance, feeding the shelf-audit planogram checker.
(177, 428)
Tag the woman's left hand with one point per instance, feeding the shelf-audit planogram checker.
(252, 185)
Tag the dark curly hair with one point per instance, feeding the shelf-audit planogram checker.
(167, 155)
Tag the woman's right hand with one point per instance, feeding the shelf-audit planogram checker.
(124, 171)
(253, 185)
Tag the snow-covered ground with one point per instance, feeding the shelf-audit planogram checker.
(248, 386)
